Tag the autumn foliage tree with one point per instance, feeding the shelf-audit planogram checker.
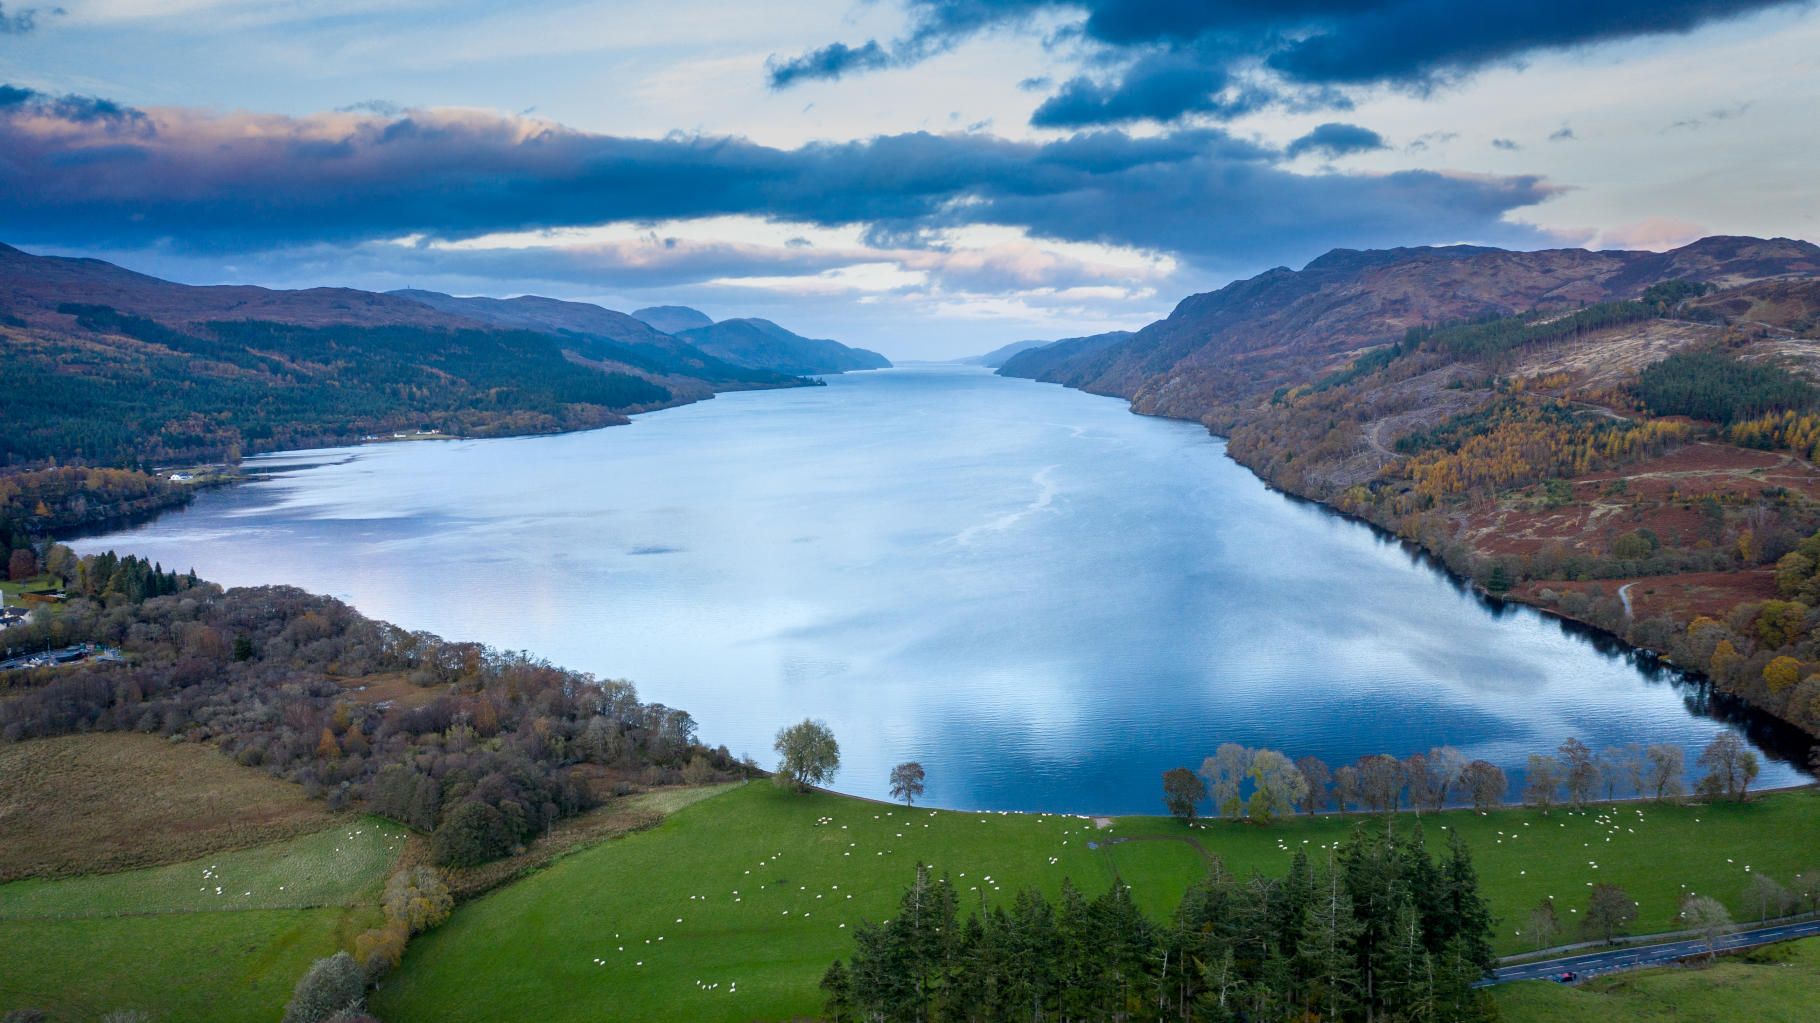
(1183, 792)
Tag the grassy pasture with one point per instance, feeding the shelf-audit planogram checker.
(84, 804)
(335, 867)
(732, 907)
(222, 938)
(1776, 984)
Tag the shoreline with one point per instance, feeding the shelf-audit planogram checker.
(1721, 710)
(1466, 584)
(1688, 800)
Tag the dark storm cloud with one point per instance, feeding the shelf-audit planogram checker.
(1336, 139)
(73, 175)
(831, 61)
(18, 103)
(1162, 85)
(1297, 50)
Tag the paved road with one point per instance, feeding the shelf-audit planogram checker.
(1613, 960)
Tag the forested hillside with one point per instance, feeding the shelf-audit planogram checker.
(602, 335)
(103, 366)
(481, 748)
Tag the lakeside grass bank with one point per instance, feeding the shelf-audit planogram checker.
(755, 891)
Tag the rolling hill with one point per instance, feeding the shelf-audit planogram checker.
(763, 344)
(998, 356)
(672, 319)
(106, 366)
(1028, 363)
(603, 335)
(1246, 339)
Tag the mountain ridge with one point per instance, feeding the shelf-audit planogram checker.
(751, 341)
(672, 318)
(1252, 335)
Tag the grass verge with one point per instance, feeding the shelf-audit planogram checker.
(1773, 984)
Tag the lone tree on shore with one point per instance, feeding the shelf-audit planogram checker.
(808, 755)
(1183, 791)
(907, 782)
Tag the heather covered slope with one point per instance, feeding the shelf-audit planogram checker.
(1254, 335)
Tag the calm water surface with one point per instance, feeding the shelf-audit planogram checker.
(1043, 598)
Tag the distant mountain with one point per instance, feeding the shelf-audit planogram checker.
(1255, 335)
(996, 357)
(32, 288)
(599, 334)
(102, 365)
(1030, 360)
(763, 344)
(672, 319)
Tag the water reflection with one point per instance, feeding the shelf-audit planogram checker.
(1044, 599)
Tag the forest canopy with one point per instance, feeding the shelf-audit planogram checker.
(1718, 388)
(482, 748)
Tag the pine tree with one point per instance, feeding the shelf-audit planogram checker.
(1407, 989)
(838, 1008)
(1469, 916)
(1325, 951)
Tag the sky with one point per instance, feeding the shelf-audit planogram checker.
(927, 178)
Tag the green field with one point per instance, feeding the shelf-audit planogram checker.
(329, 868)
(194, 967)
(1777, 984)
(162, 940)
(753, 891)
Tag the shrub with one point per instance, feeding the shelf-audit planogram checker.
(698, 771)
(473, 833)
(380, 949)
(329, 987)
(419, 898)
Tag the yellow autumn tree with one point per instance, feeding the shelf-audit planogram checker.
(1725, 658)
(1781, 673)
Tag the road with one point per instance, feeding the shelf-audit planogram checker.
(1635, 956)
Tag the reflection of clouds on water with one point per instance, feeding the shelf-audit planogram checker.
(1043, 598)
(1044, 481)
